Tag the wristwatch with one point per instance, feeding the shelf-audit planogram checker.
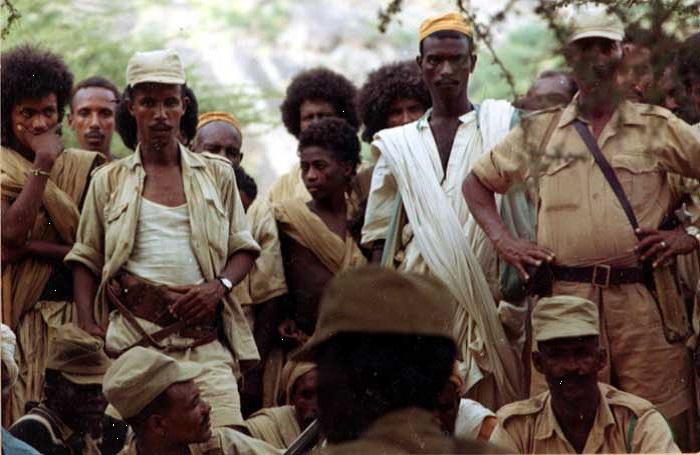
(694, 232)
(226, 283)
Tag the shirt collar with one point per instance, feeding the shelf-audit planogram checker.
(467, 117)
(547, 422)
(627, 111)
(188, 159)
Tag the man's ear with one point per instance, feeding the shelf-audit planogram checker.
(185, 102)
(473, 63)
(348, 169)
(157, 424)
(70, 119)
(537, 361)
(602, 358)
(130, 106)
(419, 61)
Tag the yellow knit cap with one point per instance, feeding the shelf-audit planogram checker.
(449, 21)
(209, 117)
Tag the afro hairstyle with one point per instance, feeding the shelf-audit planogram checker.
(30, 72)
(334, 135)
(319, 84)
(126, 123)
(401, 80)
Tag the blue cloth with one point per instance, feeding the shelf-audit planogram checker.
(14, 446)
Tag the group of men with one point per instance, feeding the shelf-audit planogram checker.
(161, 305)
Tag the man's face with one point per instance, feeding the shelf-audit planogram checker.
(570, 366)
(186, 420)
(594, 61)
(157, 109)
(82, 406)
(636, 75)
(312, 111)
(304, 398)
(92, 118)
(33, 116)
(220, 138)
(404, 110)
(322, 173)
(447, 407)
(547, 92)
(446, 64)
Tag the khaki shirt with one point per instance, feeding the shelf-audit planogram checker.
(410, 430)
(224, 441)
(110, 216)
(530, 426)
(579, 217)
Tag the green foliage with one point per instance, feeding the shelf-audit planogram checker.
(98, 39)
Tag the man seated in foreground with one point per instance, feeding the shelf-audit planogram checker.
(577, 414)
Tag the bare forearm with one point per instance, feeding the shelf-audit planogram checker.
(482, 206)
(48, 250)
(85, 285)
(238, 266)
(18, 218)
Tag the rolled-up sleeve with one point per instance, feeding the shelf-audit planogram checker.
(381, 201)
(505, 164)
(88, 248)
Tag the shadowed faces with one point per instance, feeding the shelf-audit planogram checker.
(594, 62)
(312, 111)
(323, 174)
(446, 63)
(157, 109)
(304, 399)
(34, 116)
(220, 138)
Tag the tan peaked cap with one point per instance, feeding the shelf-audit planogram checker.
(77, 355)
(448, 21)
(379, 300)
(564, 316)
(139, 375)
(162, 66)
(591, 21)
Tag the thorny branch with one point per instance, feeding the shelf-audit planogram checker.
(12, 16)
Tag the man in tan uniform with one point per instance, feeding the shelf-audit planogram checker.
(158, 398)
(70, 419)
(385, 348)
(577, 414)
(582, 230)
(163, 240)
(281, 425)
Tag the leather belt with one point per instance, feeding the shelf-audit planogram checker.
(599, 275)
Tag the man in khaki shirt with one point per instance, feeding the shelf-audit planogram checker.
(577, 414)
(582, 229)
(162, 240)
(158, 398)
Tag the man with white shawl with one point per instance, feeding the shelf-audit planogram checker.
(420, 167)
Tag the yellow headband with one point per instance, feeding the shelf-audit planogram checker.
(448, 21)
(219, 117)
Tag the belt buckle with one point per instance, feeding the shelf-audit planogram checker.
(601, 271)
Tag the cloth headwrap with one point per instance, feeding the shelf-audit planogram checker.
(449, 21)
(291, 373)
(209, 117)
(9, 343)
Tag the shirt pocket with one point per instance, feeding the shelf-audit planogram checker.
(641, 180)
(560, 186)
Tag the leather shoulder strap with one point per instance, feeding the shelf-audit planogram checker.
(608, 171)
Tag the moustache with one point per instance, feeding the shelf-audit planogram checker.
(94, 135)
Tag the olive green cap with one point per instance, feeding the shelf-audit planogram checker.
(564, 316)
(77, 355)
(139, 375)
(376, 300)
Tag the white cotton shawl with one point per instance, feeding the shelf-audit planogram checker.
(445, 246)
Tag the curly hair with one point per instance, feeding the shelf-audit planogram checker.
(401, 80)
(245, 183)
(30, 72)
(126, 123)
(319, 84)
(335, 135)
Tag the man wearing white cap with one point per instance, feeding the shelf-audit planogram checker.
(601, 165)
(162, 240)
(577, 414)
(158, 398)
